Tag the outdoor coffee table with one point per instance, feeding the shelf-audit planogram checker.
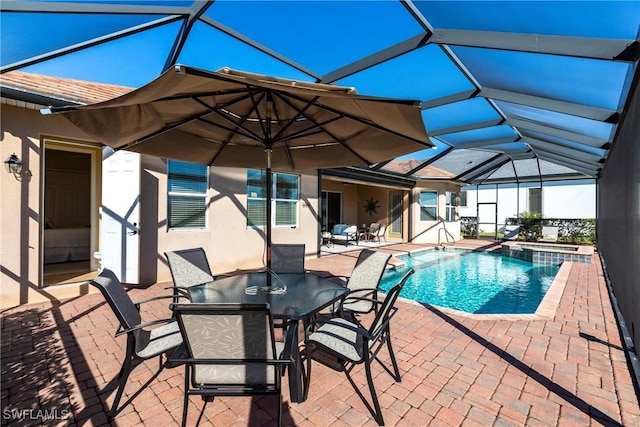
(293, 297)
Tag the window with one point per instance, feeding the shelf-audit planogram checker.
(450, 206)
(187, 195)
(463, 199)
(284, 203)
(428, 205)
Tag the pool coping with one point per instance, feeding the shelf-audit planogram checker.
(545, 311)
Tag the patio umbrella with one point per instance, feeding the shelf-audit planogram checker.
(231, 118)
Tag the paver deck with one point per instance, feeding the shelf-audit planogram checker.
(568, 368)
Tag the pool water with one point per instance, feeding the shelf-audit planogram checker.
(473, 282)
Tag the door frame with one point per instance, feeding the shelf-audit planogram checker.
(95, 153)
(400, 207)
(340, 209)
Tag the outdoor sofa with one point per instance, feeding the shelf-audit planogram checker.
(344, 233)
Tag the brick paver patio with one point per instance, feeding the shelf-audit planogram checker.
(60, 362)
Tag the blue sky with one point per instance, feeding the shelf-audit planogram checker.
(308, 40)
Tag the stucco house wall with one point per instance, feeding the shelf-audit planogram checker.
(20, 206)
(228, 242)
(429, 231)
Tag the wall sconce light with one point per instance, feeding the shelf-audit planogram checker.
(13, 164)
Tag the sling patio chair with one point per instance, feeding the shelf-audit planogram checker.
(368, 234)
(511, 232)
(189, 267)
(363, 283)
(287, 258)
(341, 345)
(142, 343)
(230, 350)
(381, 233)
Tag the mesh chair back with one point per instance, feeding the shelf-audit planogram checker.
(287, 258)
(366, 274)
(119, 301)
(189, 267)
(232, 334)
(387, 305)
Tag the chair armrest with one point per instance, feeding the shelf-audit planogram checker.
(358, 291)
(352, 295)
(337, 276)
(144, 301)
(350, 299)
(121, 331)
(357, 328)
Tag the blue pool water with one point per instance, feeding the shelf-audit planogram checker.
(474, 282)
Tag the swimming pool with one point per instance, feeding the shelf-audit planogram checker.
(473, 282)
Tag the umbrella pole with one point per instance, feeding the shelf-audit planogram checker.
(268, 227)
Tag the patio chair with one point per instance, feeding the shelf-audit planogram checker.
(549, 234)
(370, 233)
(511, 232)
(381, 233)
(363, 283)
(142, 343)
(341, 345)
(287, 258)
(230, 350)
(189, 267)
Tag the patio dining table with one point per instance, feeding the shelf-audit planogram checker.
(293, 297)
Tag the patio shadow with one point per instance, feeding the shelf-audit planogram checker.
(553, 387)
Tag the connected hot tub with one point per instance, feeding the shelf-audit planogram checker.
(548, 253)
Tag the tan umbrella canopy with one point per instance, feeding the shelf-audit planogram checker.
(220, 119)
(230, 118)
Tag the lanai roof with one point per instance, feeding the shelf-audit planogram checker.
(510, 90)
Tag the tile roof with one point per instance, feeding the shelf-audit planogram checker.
(66, 90)
(404, 166)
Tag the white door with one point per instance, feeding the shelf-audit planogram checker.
(120, 210)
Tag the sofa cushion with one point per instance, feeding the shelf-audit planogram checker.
(338, 229)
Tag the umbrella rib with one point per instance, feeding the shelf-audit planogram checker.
(333, 137)
(236, 125)
(299, 113)
(159, 132)
(368, 123)
(312, 130)
(192, 118)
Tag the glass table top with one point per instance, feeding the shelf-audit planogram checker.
(295, 296)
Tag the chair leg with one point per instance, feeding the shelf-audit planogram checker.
(396, 370)
(280, 408)
(185, 404)
(372, 391)
(307, 375)
(123, 376)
